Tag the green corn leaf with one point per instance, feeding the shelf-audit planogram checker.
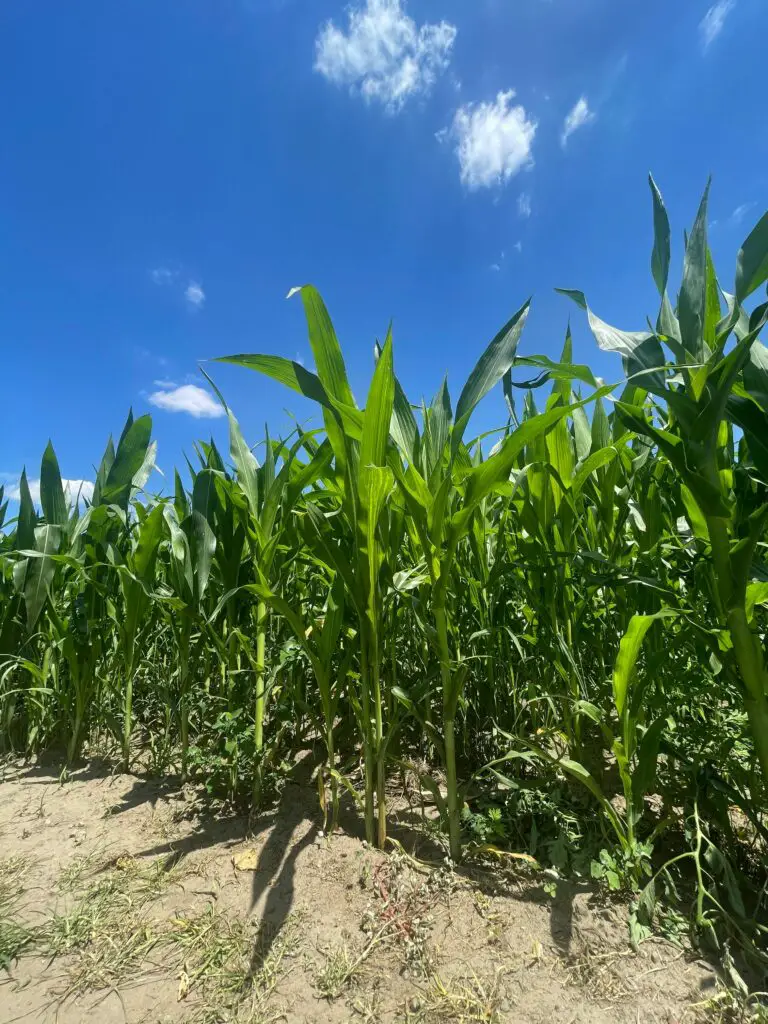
(582, 434)
(644, 774)
(180, 500)
(25, 528)
(755, 374)
(629, 651)
(642, 352)
(325, 346)
(661, 244)
(598, 459)
(52, 497)
(693, 290)
(490, 368)
(747, 414)
(439, 420)
(205, 499)
(145, 555)
(179, 546)
(601, 431)
(40, 571)
(752, 261)
(284, 371)
(404, 429)
(105, 465)
(202, 543)
(129, 459)
(378, 411)
(556, 371)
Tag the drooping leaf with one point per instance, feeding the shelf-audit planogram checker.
(284, 371)
(752, 261)
(641, 351)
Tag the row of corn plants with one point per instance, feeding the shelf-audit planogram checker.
(576, 599)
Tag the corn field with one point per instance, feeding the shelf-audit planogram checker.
(558, 630)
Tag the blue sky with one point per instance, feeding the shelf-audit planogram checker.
(171, 168)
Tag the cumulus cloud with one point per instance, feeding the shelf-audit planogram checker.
(711, 25)
(74, 490)
(194, 294)
(384, 55)
(579, 116)
(524, 204)
(493, 141)
(187, 398)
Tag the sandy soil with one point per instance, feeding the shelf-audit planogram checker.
(131, 902)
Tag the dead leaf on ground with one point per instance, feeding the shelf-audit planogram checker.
(248, 860)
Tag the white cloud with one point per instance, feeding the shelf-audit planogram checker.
(73, 489)
(194, 294)
(493, 141)
(384, 54)
(524, 204)
(519, 246)
(740, 213)
(188, 398)
(162, 275)
(711, 25)
(579, 116)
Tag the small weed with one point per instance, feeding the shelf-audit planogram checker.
(15, 935)
(458, 1001)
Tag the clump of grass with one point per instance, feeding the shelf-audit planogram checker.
(458, 1001)
(234, 969)
(13, 871)
(340, 967)
(105, 928)
(107, 933)
(15, 935)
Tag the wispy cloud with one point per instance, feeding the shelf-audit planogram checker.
(189, 398)
(163, 275)
(170, 277)
(524, 204)
(740, 213)
(74, 490)
(493, 141)
(579, 116)
(711, 25)
(194, 294)
(384, 55)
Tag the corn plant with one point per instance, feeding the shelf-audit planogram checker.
(691, 401)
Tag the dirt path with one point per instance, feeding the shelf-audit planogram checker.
(130, 903)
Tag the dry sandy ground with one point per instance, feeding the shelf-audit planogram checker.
(143, 906)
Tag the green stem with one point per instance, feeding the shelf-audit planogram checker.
(749, 656)
(127, 719)
(368, 752)
(381, 792)
(258, 724)
(184, 713)
(451, 780)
